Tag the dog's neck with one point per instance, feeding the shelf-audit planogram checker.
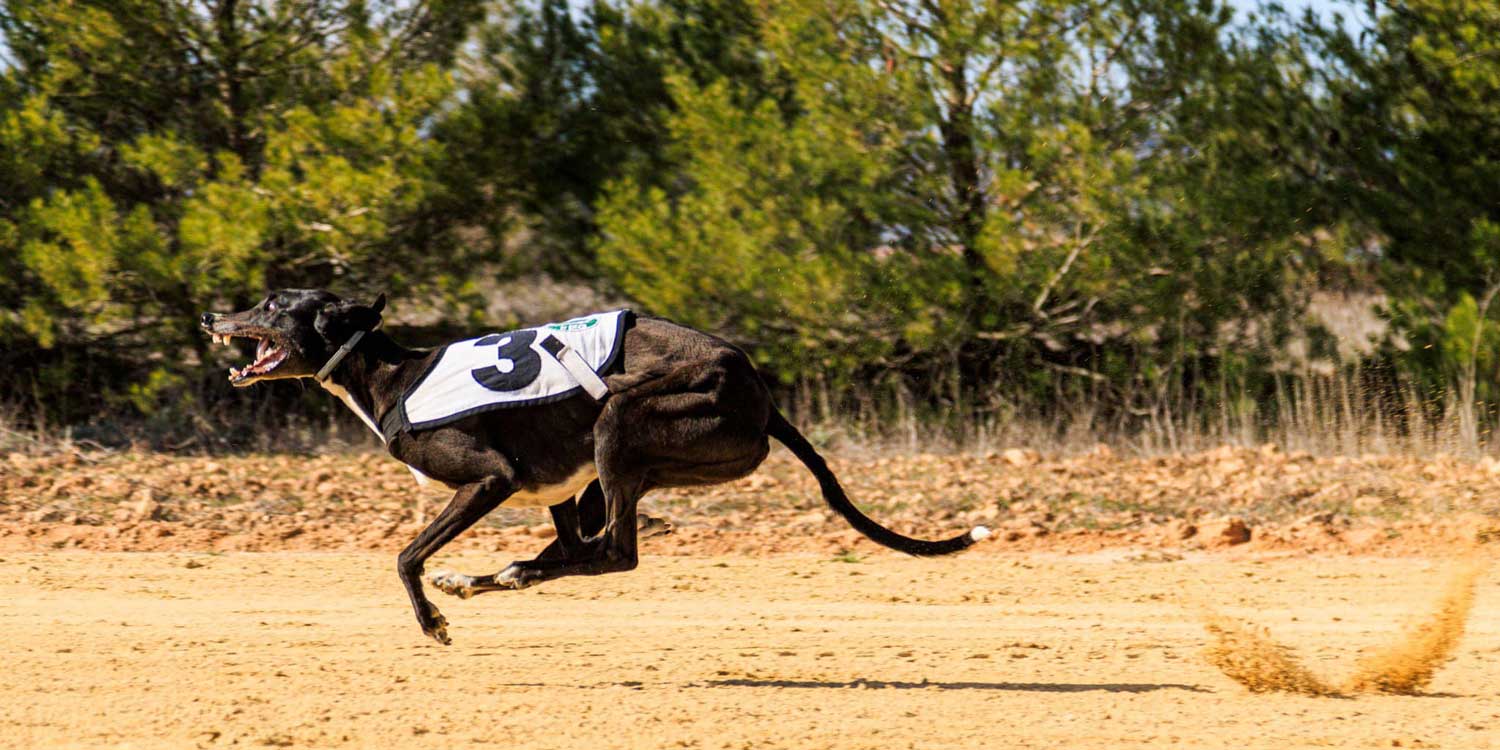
(369, 380)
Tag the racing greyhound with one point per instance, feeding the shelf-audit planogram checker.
(682, 408)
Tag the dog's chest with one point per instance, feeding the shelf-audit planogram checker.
(343, 395)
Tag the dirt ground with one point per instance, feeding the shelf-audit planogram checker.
(1260, 499)
(307, 649)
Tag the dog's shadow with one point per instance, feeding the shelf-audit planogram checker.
(860, 682)
(1027, 687)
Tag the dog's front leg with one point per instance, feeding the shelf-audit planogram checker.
(469, 504)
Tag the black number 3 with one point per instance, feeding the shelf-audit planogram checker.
(519, 363)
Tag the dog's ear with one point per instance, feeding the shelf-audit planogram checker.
(337, 321)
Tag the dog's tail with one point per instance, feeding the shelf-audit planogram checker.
(783, 430)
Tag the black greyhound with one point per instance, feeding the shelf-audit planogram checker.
(683, 408)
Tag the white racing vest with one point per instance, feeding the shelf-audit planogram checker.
(516, 368)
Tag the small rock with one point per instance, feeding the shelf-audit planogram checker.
(1477, 527)
(1020, 456)
(1316, 519)
(812, 518)
(1225, 531)
(1017, 528)
(44, 514)
(756, 482)
(1179, 528)
(1361, 538)
(143, 506)
(542, 531)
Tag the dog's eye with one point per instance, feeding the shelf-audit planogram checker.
(272, 306)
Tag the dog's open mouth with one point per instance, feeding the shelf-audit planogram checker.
(269, 354)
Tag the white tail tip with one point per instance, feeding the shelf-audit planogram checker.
(979, 533)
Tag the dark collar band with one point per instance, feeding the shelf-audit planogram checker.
(339, 355)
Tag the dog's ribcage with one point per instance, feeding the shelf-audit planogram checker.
(536, 497)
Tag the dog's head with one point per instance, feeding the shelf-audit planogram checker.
(296, 332)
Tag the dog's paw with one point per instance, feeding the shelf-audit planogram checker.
(435, 625)
(451, 583)
(649, 526)
(515, 576)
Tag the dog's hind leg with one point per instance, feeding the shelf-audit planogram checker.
(567, 546)
(613, 548)
(597, 556)
(574, 523)
(567, 521)
(584, 519)
(696, 426)
(469, 504)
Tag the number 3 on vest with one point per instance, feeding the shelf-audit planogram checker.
(519, 363)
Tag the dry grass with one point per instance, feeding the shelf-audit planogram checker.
(1249, 656)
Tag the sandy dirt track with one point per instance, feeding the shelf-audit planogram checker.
(283, 649)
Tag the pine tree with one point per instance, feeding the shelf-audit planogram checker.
(162, 157)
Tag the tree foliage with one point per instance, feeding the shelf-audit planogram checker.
(950, 199)
(562, 97)
(165, 155)
(1008, 186)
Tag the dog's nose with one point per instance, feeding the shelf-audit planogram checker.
(208, 319)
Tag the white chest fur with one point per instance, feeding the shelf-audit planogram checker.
(343, 395)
